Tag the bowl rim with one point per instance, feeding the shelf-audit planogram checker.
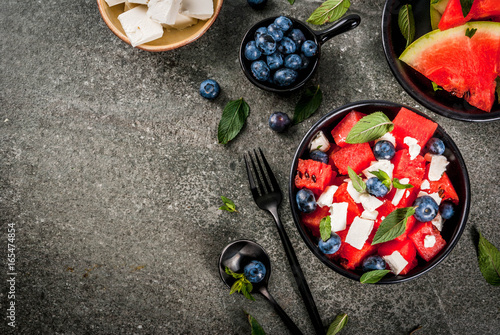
(411, 88)
(305, 236)
(101, 4)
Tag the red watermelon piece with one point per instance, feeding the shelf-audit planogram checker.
(405, 248)
(356, 156)
(341, 130)
(350, 257)
(313, 175)
(417, 236)
(312, 220)
(408, 123)
(353, 209)
(409, 226)
(443, 187)
(480, 10)
(405, 167)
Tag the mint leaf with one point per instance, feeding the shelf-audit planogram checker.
(325, 228)
(337, 324)
(435, 87)
(489, 261)
(256, 327)
(397, 184)
(383, 177)
(369, 128)
(466, 6)
(233, 118)
(329, 11)
(372, 277)
(406, 23)
(291, 2)
(470, 32)
(358, 183)
(228, 205)
(393, 225)
(241, 285)
(308, 104)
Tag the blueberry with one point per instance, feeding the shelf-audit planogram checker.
(426, 208)
(260, 70)
(275, 32)
(274, 61)
(293, 62)
(283, 23)
(260, 31)
(375, 187)
(251, 51)
(447, 210)
(285, 77)
(287, 46)
(331, 246)
(306, 202)
(279, 121)
(435, 146)
(266, 44)
(384, 150)
(305, 61)
(297, 36)
(318, 155)
(209, 89)
(373, 262)
(257, 4)
(254, 271)
(309, 48)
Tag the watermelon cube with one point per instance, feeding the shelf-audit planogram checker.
(313, 175)
(408, 123)
(443, 187)
(405, 167)
(312, 220)
(341, 130)
(383, 211)
(357, 156)
(353, 209)
(405, 248)
(350, 257)
(435, 243)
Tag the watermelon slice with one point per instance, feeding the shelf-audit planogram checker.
(341, 130)
(405, 248)
(404, 125)
(357, 156)
(350, 257)
(405, 167)
(418, 235)
(480, 10)
(443, 187)
(313, 175)
(466, 67)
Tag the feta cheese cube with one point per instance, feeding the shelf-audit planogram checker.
(338, 216)
(438, 222)
(383, 164)
(413, 147)
(199, 9)
(434, 196)
(182, 22)
(369, 215)
(429, 241)
(164, 11)
(358, 232)
(138, 27)
(128, 5)
(112, 3)
(437, 167)
(387, 137)
(319, 141)
(398, 195)
(326, 198)
(425, 185)
(396, 262)
(369, 202)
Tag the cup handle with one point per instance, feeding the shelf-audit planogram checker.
(341, 26)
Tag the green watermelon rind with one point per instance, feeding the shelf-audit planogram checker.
(436, 12)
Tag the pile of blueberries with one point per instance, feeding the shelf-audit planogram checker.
(279, 52)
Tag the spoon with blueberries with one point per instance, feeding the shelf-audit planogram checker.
(250, 259)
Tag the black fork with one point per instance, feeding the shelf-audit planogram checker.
(267, 194)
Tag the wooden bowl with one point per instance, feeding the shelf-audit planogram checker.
(170, 40)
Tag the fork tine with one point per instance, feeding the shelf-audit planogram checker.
(274, 182)
(255, 193)
(259, 182)
(262, 171)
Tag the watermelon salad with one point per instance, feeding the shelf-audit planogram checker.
(403, 170)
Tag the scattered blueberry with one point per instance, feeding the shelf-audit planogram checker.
(306, 202)
(283, 23)
(251, 51)
(331, 246)
(275, 32)
(266, 44)
(285, 77)
(297, 36)
(373, 262)
(209, 89)
(257, 4)
(287, 46)
(447, 210)
(279, 121)
(375, 187)
(293, 62)
(260, 31)
(384, 150)
(260, 70)
(426, 208)
(318, 155)
(254, 271)
(309, 48)
(305, 61)
(274, 61)
(435, 146)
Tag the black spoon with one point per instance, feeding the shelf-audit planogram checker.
(238, 254)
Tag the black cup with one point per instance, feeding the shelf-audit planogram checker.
(319, 37)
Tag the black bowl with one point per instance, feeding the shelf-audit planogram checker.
(417, 85)
(452, 229)
(319, 37)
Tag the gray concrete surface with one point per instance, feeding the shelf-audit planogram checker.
(111, 172)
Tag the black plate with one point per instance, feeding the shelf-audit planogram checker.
(418, 86)
(452, 228)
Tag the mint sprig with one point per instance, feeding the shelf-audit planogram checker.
(291, 2)
(241, 285)
(470, 32)
(369, 128)
(228, 205)
(325, 228)
(329, 11)
(436, 87)
(393, 225)
(397, 184)
(406, 23)
(372, 277)
(358, 183)
(489, 261)
(337, 324)
(256, 327)
(383, 177)
(308, 104)
(233, 118)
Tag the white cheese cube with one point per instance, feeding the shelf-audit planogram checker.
(369, 202)
(369, 215)
(434, 196)
(139, 27)
(437, 167)
(326, 198)
(112, 3)
(387, 137)
(425, 185)
(338, 216)
(383, 164)
(413, 147)
(164, 11)
(429, 241)
(396, 262)
(128, 5)
(398, 195)
(140, 2)
(199, 9)
(438, 222)
(352, 192)
(358, 232)
(182, 22)
(319, 142)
